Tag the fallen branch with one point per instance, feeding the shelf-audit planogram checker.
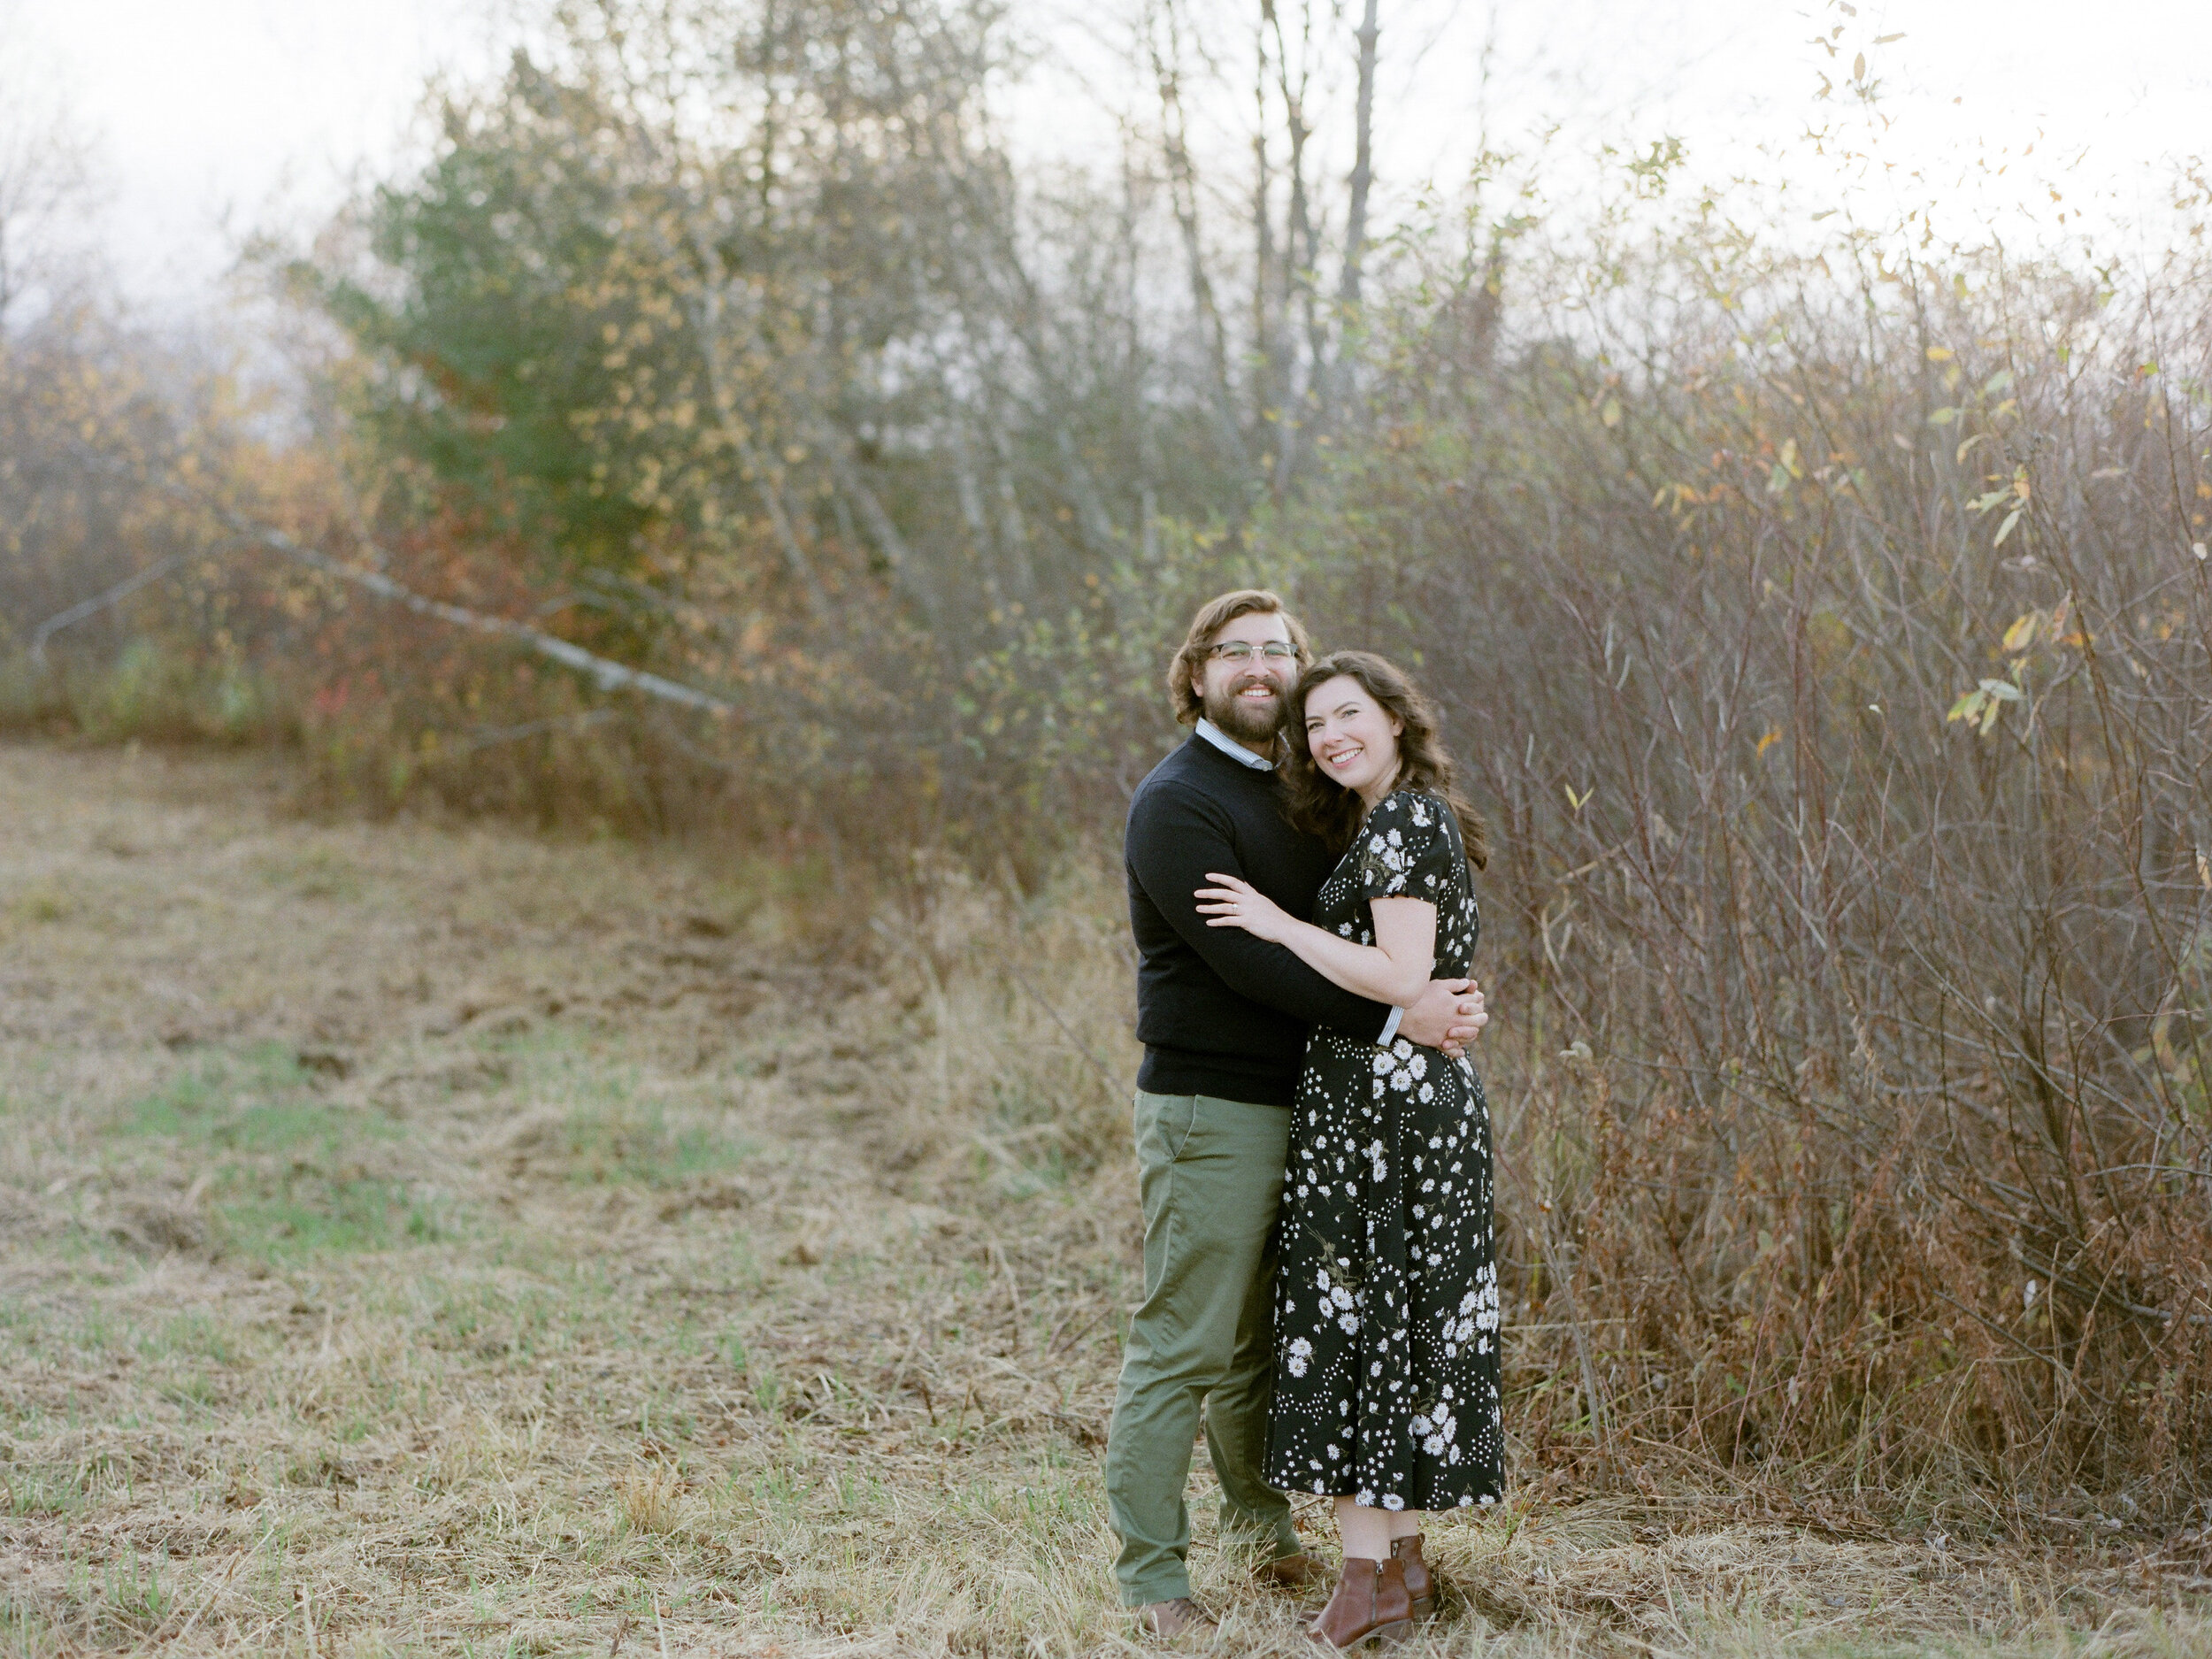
(99, 602)
(606, 672)
(492, 737)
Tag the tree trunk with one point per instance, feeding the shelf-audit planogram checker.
(1334, 381)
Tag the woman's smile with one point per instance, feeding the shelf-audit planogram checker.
(1352, 738)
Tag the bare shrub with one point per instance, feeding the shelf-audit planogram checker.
(1833, 656)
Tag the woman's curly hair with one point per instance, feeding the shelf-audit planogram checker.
(1322, 806)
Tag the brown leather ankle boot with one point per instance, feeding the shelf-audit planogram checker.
(1420, 1583)
(1370, 1603)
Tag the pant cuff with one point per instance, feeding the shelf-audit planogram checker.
(1166, 1588)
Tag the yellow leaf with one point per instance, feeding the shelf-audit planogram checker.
(1940, 354)
(2021, 634)
(1772, 738)
(1611, 413)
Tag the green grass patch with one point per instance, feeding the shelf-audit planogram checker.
(314, 872)
(642, 1144)
(258, 1101)
(306, 1214)
(38, 1491)
(189, 1336)
(607, 1134)
(283, 1186)
(27, 1632)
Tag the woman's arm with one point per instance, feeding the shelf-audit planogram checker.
(1395, 968)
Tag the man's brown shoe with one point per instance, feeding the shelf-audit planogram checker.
(1300, 1572)
(1171, 1619)
(1420, 1582)
(1371, 1604)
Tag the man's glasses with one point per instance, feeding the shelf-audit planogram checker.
(1244, 651)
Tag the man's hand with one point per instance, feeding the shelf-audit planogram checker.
(1447, 1015)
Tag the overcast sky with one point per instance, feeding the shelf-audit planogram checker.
(216, 116)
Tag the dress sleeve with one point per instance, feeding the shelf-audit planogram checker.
(1407, 848)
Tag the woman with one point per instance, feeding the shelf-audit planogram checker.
(1386, 1298)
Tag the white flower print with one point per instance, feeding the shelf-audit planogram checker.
(1486, 1295)
(1301, 1355)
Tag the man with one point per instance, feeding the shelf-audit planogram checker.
(1223, 1017)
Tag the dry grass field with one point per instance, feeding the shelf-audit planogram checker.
(423, 1240)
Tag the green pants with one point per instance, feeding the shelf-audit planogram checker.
(1210, 1174)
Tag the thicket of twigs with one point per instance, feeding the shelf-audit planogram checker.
(1834, 665)
(1825, 630)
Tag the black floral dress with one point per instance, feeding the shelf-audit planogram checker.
(1386, 1298)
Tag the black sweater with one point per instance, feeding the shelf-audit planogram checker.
(1219, 1012)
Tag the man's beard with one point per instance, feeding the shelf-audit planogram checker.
(1254, 724)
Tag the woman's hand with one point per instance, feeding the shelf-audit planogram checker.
(1236, 904)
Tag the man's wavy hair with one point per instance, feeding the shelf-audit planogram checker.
(1189, 665)
(1321, 806)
